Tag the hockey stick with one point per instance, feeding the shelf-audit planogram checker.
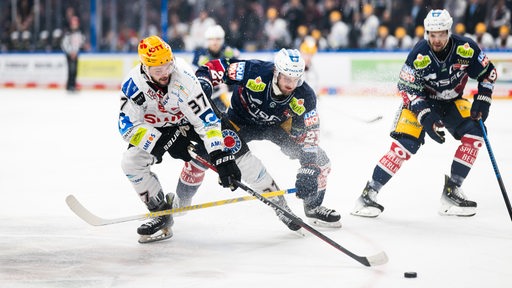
(94, 220)
(374, 260)
(496, 170)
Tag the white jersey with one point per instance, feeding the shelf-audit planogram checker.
(145, 107)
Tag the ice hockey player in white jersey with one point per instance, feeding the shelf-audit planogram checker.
(162, 101)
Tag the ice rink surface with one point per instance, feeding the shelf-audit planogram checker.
(55, 144)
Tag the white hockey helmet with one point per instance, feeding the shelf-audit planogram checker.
(214, 32)
(289, 62)
(438, 20)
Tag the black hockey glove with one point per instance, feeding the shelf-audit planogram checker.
(163, 143)
(432, 122)
(179, 149)
(307, 180)
(480, 107)
(226, 168)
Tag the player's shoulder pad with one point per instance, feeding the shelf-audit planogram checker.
(133, 84)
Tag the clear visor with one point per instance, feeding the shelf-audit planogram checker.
(161, 70)
(289, 80)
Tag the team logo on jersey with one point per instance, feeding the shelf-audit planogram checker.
(209, 117)
(129, 88)
(256, 85)
(297, 106)
(231, 141)
(124, 123)
(465, 51)
(422, 61)
(236, 71)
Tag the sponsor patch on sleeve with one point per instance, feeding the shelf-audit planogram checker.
(311, 118)
(129, 88)
(137, 136)
(236, 71)
(209, 117)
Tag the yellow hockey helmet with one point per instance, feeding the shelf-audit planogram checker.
(153, 51)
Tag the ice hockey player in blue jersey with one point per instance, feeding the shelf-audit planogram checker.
(432, 83)
(215, 49)
(272, 102)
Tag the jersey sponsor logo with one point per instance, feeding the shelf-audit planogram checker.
(209, 117)
(256, 85)
(212, 133)
(311, 118)
(148, 142)
(482, 58)
(124, 123)
(129, 88)
(297, 106)
(154, 119)
(137, 136)
(407, 74)
(465, 51)
(231, 141)
(236, 71)
(422, 61)
(139, 99)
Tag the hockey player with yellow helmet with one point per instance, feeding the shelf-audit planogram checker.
(163, 108)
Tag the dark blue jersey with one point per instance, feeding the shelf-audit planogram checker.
(425, 76)
(253, 104)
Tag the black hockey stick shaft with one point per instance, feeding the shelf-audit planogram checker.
(378, 259)
(496, 170)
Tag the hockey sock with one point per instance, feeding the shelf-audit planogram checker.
(191, 178)
(390, 163)
(464, 157)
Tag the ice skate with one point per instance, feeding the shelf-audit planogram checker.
(454, 202)
(159, 228)
(366, 204)
(323, 217)
(279, 200)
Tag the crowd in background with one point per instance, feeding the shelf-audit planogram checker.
(250, 25)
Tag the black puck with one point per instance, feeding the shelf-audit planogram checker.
(410, 275)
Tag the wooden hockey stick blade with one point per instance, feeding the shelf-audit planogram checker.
(95, 220)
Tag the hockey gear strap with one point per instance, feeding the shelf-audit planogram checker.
(432, 122)
(227, 169)
(307, 180)
(406, 123)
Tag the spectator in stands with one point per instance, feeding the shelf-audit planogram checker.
(338, 37)
(293, 13)
(404, 41)
(369, 27)
(475, 13)
(385, 40)
(308, 50)
(302, 32)
(72, 43)
(195, 39)
(504, 39)
(251, 25)
(500, 15)
(321, 42)
(419, 33)
(275, 31)
(24, 15)
(484, 40)
(417, 14)
(176, 32)
(234, 36)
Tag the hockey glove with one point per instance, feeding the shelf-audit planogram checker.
(226, 168)
(179, 149)
(163, 143)
(307, 180)
(432, 124)
(480, 107)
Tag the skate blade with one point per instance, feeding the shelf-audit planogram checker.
(452, 210)
(163, 234)
(324, 224)
(369, 212)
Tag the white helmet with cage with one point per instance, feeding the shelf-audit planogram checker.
(438, 20)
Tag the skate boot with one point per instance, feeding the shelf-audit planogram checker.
(323, 217)
(159, 228)
(366, 204)
(454, 202)
(279, 200)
